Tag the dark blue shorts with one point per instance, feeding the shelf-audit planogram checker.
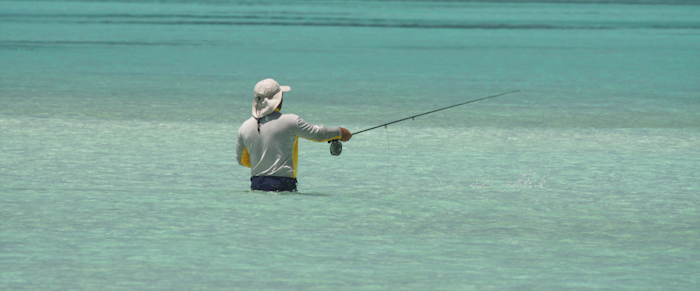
(271, 183)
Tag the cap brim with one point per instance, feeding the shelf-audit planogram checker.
(285, 88)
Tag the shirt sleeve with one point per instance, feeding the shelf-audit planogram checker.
(317, 133)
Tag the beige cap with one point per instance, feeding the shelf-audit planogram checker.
(268, 95)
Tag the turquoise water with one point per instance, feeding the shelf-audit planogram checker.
(118, 122)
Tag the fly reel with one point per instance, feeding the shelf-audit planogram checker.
(336, 147)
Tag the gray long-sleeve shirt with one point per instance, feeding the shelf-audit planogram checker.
(273, 149)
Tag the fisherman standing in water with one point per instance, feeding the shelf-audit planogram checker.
(268, 142)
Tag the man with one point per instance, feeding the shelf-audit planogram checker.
(267, 142)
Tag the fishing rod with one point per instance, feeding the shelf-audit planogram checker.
(337, 146)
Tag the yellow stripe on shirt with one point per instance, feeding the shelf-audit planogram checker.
(337, 137)
(245, 158)
(295, 156)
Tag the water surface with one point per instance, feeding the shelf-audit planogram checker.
(118, 122)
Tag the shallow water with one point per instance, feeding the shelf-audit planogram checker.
(118, 123)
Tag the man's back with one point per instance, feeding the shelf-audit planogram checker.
(272, 143)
